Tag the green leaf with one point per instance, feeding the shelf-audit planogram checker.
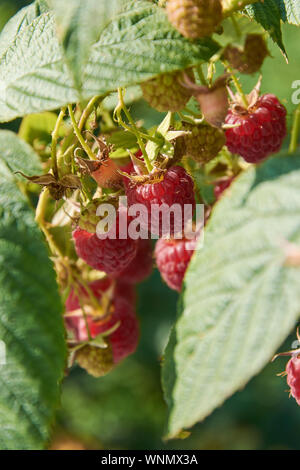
(240, 299)
(30, 311)
(268, 15)
(19, 22)
(33, 76)
(290, 11)
(39, 127)
(79, 25)
(139, 44)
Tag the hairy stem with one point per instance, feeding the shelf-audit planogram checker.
(78, 134)
(54, 142)
(40, 220)
(122, 107)
(237, 85)
(295, 131)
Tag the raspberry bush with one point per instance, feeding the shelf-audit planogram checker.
(85, 157)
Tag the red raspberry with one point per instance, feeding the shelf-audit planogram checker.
(172, 259)
(141, 266)
(293, 377)
(220, 187)
(261, 129)
(125, 290)
(111, 255)
(175, 187)
(124, 339)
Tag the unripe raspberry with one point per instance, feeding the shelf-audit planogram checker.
(250, 59)
(88, 219)
(293, 377)
(172, 259)
(260, 131)
(166, 93)
(204, 142)
(195, 18)
(141, 266)
(96, 361)
(174, 186)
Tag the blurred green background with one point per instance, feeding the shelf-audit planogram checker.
(125, 410)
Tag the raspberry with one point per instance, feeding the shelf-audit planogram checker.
(251, 58)
(293, 377)
(220, 187)
(96, 361)
(204, 142)
(261, 129)
(165, 92)
(124, 339)
(111, 255)
(172, 259)
(126, 290)
(175, 187)
(141, 266)
(195, 18)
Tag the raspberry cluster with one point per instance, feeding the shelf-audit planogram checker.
(100, 315)
(118, 319)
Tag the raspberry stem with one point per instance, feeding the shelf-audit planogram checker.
(201, 75)
(295, 131)
(122, 107)
(40, 220)
(91, 106)
(54, 141)
(237, 85)
(78, 134)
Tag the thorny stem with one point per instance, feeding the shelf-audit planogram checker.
(78, 134)
(237, 85)
(122, 107)
(295, 131)
(54, 141)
